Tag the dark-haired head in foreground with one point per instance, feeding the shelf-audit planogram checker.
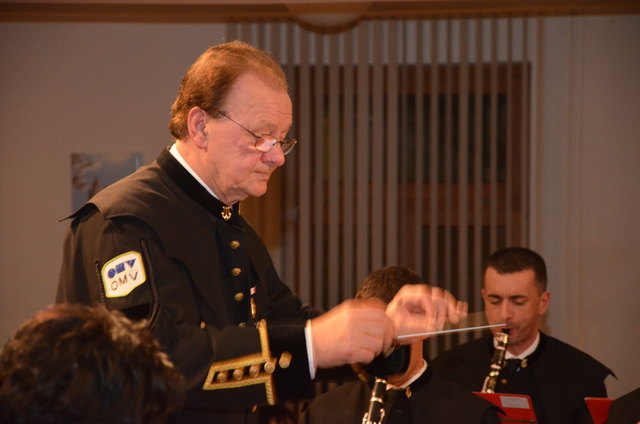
(384, 284)
(80, 364)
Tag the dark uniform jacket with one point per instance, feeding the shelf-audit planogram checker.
(432, 400)
(625, 409)
(157, 245)
(556, 376)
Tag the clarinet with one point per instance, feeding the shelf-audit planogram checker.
(375, 414)
(497, 362)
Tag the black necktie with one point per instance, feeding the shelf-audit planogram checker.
(512, 366)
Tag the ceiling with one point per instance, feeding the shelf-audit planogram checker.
(261, 10)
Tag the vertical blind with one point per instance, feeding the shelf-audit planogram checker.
(413, 150)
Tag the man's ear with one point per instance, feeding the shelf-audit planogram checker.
(196, 126)
(545, 298)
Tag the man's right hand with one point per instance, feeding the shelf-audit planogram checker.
(418, 308)
(355, 331)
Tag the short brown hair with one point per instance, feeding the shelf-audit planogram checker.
(207, 82)
(516, 259)
(384, 283)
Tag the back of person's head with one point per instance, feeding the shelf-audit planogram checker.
(516, 259)
(80, 364)
(384, 283)
(207, 82)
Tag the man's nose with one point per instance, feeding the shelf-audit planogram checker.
(274, 157)
(505, 311)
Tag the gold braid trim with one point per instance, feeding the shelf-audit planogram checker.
(263, 359)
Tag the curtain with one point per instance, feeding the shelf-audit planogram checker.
(413, 150)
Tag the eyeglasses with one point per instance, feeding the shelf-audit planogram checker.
(265, 142)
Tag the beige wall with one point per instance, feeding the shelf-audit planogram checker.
(108, 87)
(73, 88)
(587, 188)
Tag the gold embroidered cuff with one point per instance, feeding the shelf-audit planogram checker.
(258, 364)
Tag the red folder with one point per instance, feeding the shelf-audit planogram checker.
(598, 408)
(517, 408)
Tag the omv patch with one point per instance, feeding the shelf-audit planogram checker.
(122, 274)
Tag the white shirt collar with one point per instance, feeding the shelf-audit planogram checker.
(528, 351)
(176, 154)
(412, 379)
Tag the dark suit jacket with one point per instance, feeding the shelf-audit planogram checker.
(202, 273)
(625, 409)
(559, 376)
(433, 400)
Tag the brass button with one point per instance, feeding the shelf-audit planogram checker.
(285, 360)
(203, 324)
(221, 377)
(242, 324)
(524, 363)
(238, 373)
(270, 366)
(234, 244)
(236, 271)
(239, 296)
(254, 370)
(504, 381)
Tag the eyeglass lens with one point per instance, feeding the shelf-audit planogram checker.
(267, 142)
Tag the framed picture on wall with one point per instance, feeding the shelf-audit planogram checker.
(91, 172)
